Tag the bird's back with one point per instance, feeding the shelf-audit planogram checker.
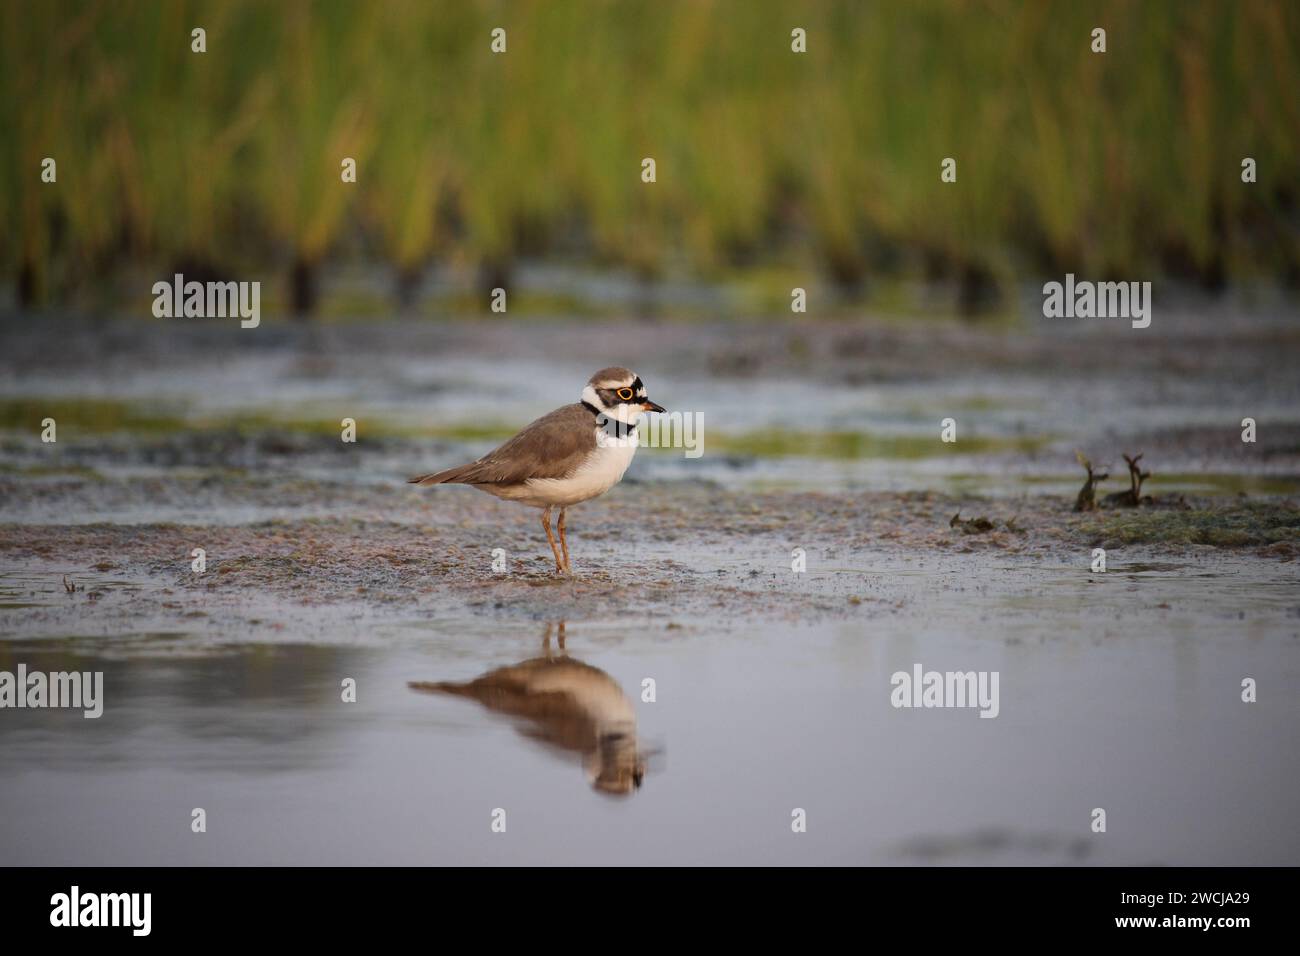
(554, 446)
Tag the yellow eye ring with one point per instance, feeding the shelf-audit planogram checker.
(624, 394)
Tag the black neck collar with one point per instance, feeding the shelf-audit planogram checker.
(611, 424)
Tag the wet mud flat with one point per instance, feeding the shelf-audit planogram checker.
(346, 558)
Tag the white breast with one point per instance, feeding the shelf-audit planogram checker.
(601, 471)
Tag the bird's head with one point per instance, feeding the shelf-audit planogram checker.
(618, 393)
(617, 766)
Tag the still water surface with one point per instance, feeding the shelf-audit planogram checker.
(747, 725)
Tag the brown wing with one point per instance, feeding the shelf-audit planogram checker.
(551, 447)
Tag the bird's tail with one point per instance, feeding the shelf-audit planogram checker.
(439, 687)
(439, 477)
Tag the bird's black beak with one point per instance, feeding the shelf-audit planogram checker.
(650, 406)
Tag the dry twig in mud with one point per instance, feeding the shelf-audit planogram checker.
(1133, 497)
(1087, 499)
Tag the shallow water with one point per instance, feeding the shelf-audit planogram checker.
(1104, 701)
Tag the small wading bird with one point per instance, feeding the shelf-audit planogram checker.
(569, 456)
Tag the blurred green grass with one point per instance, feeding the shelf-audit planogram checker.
(1123, 165)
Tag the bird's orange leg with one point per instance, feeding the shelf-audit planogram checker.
(563, 543)
(546, 524)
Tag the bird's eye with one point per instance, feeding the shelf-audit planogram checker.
(625, 394)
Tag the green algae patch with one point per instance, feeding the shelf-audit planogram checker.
(95, 416)
(779, 443)
(1248, 524)
(85, 415)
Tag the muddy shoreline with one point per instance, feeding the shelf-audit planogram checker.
(670, 553)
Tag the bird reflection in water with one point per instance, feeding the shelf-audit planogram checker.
(568, 706)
